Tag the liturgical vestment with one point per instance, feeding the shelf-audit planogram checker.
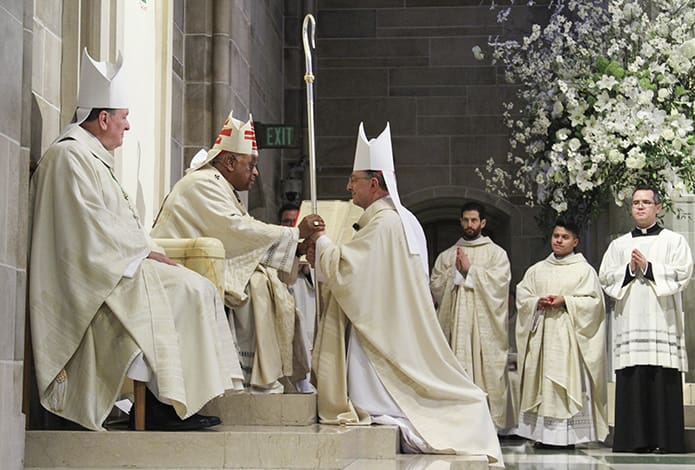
(649, 354)
(96, 303)
(561, 353)
(648, 324)
(473, 312)
(375, 286)
(204, 204)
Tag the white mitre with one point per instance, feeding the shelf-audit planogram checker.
(235, 137)
(376, 154)
(102, 85)
(198, 158)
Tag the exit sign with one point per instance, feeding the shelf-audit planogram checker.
(276, 136)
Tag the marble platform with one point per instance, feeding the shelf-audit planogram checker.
(280, 431)
(264, 410)
(310, 446)
(518, 455)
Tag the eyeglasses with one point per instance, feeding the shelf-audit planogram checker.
(353, 178)
(645, 203)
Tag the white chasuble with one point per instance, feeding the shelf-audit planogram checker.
(204, 204)
(89, 320)
(562, 352)
(648, 324)
(473, 312)
(375, 284)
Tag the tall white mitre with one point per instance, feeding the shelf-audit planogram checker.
(102, 85)
(235, 136)
(377, 154)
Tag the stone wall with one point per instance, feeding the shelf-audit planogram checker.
(16, 19)
(410, 63)
(228, 55)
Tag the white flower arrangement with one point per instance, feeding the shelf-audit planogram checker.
(607, 102)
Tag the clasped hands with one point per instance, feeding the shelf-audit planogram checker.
(638, 260)
(463, 263)
(310, 229)
(551, 301)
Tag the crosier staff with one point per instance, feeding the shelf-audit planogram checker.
(309, 79)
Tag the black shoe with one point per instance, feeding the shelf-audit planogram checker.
(162, 417)
(174, 423)
(541, 445)
(644, 450)
(192, 423)
(661, 450)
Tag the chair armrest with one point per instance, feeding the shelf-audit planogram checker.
(203, 255)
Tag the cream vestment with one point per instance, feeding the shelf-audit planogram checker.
(375, 287)
(96, 303)
(204, 203)
(473, 312)
(562, 360)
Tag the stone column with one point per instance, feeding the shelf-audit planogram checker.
(15, 107)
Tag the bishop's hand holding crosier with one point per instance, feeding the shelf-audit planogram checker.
(311, 224)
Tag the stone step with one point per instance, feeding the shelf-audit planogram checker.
(311, 446)
(264, 410)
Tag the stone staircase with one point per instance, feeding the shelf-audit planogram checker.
(259, 431)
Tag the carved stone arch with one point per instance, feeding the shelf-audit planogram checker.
(439, 209)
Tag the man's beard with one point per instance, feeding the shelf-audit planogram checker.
(468, 235)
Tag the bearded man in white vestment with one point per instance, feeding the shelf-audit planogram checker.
(206, 203)
(561, 342)
(397, 367)
(470, 284)
(104, 299)
(645, 271)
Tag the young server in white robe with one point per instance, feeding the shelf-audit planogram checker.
(396, 366)
(206, 203)
(560, 336)
(645, 271)
(104, 301)
(470, 283)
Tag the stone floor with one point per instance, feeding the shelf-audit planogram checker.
(520, 454)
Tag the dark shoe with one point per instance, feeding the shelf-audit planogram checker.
(642, 450)
(541, 445)
(162, 417)
(174, 423)
(661, 450)
(192, 423)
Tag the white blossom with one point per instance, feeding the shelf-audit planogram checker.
(605, 100)
(607, 82)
